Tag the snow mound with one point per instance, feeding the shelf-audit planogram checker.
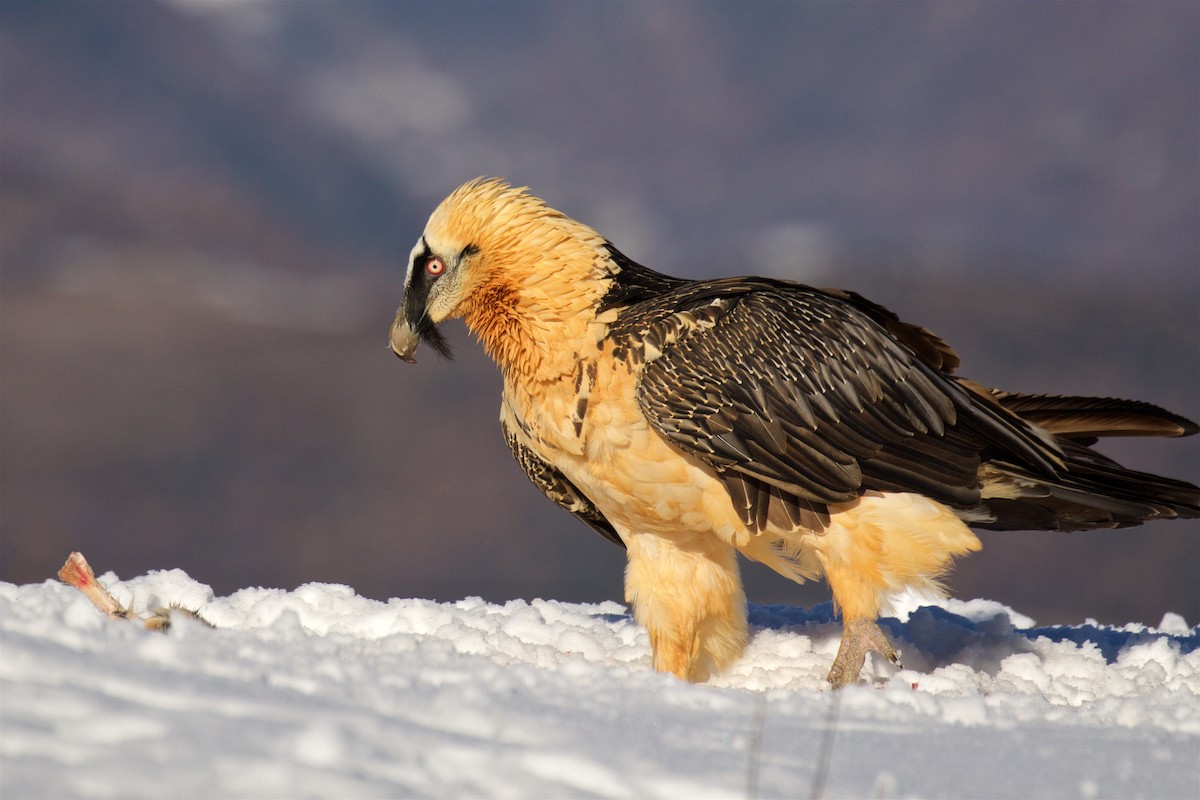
(318, 692)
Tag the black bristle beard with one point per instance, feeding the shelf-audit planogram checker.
(431, 336)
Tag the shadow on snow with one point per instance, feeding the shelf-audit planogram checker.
(983, 639)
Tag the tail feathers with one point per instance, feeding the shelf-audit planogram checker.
(1086, 419)
(1091, 491)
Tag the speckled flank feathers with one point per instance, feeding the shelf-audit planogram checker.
(809, 429)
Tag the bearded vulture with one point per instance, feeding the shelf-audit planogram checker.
(808, 429)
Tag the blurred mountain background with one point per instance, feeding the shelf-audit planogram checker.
(206, 209)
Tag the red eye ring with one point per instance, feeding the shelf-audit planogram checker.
(435, 266)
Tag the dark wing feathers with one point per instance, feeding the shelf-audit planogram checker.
(558, 487)
(804, 397)
(928, 346)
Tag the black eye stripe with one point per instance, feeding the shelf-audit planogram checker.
(417, 294)
(416, 297)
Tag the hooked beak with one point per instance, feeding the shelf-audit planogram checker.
(404, 339)
(407, 334)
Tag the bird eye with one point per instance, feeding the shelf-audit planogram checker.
(435, 266)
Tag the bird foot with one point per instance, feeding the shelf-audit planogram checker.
(859, 636)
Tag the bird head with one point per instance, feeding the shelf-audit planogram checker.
(432, 290)
(505, 262)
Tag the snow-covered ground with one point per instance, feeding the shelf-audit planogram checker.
(318, 692)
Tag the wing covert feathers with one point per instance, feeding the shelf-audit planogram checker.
(927, 345)
(786, 387)
(799, 398)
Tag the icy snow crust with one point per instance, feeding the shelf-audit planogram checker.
(318, 692)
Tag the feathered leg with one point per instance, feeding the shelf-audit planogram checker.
(687, 593)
